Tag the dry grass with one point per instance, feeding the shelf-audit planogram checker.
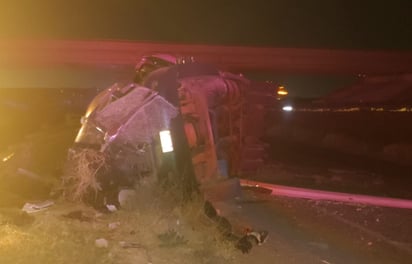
(53, 238)
(80, 177)
(49, 240)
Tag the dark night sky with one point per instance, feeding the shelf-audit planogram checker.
(364, 24)
(345, 24)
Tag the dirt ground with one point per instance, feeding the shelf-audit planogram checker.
(159, 229)
(155, 230)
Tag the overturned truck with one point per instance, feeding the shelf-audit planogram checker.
(180, 121)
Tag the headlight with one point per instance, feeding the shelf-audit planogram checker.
(166, 141)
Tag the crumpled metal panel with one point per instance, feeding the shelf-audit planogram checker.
(148, 121)
(115, 114)
(137, 116)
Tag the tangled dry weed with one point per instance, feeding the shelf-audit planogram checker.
(80, 177)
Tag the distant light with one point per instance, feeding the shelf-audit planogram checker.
(287, 108)
(282, 91)
(166, 141)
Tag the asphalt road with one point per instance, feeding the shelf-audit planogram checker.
(305, 231)
(310, 231)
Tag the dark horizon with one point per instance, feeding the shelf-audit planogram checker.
(302, 24)
(320, 24)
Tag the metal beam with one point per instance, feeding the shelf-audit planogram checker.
(101, 53)
(296, 192)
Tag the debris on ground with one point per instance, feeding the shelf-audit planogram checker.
(37, 207)
(114, 225)
(111, 207)
(101, 243)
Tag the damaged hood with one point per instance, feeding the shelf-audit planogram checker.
(131, 114)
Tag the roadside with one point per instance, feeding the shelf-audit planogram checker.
(306, 231)
(73, 233)
(156, 228)
(316, 168)
(159, 231)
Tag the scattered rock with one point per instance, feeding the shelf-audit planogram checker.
(112, 208)
(114, 225)
(101, 243)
